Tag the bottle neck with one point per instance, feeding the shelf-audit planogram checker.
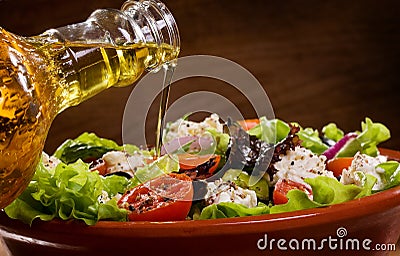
(113, 48)
(155, 21)
(138, 22)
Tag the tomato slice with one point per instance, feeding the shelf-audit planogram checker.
(165, 198)
(188, 161)
(282, 187)
(337, 165)
(248, 123)
(216, 160)
(99, 165)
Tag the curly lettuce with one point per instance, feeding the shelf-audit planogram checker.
(69, 191)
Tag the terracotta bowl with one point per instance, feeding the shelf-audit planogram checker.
(352, 228)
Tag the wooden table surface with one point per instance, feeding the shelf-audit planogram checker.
(319, 61)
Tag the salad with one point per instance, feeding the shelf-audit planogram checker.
(208, 170)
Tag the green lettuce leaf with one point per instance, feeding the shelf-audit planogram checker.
(271, 131)
(70, 191)
(326, 191)
(391, 173)
(115, 184)
(310, 139)
(163, 165)
(229, 210)
(367, 140)
(242, 179)
(350, 148)
(221, 139)
(371, 135)
(88, 145)
(331, 131)
(368, 184)
(298, 200)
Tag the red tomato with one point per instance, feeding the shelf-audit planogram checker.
(216, 160)
(165, 198)
(337, 165)
(189, 161)
(282, 187)
(99, 165)
(248, 123)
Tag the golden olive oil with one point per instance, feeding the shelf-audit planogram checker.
(40, 77)
(169, 69)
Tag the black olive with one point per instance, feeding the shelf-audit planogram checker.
(95, 163)
(123, 174)
(327, 141)
(199, 189)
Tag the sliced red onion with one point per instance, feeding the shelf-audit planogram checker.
(332, 151)
(176, 144)
(201, 143)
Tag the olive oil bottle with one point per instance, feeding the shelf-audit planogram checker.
(40, 76)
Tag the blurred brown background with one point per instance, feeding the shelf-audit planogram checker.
(319, 61)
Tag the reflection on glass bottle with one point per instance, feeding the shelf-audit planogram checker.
(40, 76)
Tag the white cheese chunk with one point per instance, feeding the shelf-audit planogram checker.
(182, 128)
(50, 162)
(220, 191)
(119, 161)
(299, 164)
(367, 165)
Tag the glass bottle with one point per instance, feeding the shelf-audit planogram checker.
(40, 76)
